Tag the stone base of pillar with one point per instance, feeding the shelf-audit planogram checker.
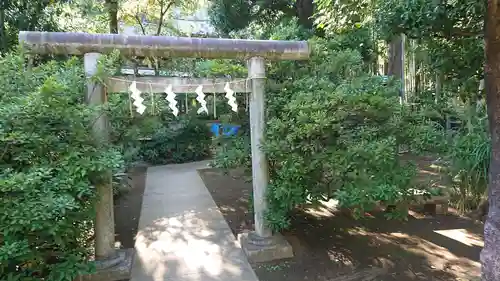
(258, 249)
(114, 269)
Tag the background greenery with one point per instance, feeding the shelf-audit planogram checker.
(335, 123)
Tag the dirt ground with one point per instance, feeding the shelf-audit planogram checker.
(127, 209)
(334, 247)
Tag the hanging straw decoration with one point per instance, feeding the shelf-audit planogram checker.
(138, 100)
(231, 100)
(201, 99)
(172, 102)
(175, 106)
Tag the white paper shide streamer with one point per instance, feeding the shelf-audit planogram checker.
(172, 103)
(201, 99)
(138, 100)
(231, 100)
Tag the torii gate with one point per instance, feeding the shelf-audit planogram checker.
(261, 244)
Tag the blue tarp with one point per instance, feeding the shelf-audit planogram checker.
(227, 129)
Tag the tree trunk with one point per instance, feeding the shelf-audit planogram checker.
(439, 86)
(112, 6)
(490, 255)
(3, 37)
(305, 11)
(396, 65)
(412, 68)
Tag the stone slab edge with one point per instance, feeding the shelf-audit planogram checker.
(279, 249)
(119, 272)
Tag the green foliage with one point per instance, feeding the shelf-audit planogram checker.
(180, 142)
(334, 132)
(234, 152)
(156, 137)
(469, 155)
(337, 16)
(428, 18)
(470, 158)
(337, 140)
(230, 16)
(48, 160)
(449, 38)
(23, 15)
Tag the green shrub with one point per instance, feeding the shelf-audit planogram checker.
(337, 141)
(186, 140)
(157, 137)
(47, 159)
(233, 152)
(469, 155)
(334, 132)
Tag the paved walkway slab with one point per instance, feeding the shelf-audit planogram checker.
(182, 234)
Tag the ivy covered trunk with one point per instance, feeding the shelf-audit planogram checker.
(490, 256)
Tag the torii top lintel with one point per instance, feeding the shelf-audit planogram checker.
(76, 43)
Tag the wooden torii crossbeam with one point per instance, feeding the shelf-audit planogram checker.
(161, 46)
(260, 245)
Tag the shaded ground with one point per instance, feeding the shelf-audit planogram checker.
(334, 247)
(128, 209)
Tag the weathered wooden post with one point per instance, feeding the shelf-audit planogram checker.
(260, 167)
(260, 245)
(105, 252)
(111, 264)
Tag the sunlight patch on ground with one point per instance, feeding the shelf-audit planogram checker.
(184, 245)
(463, 236)
(422, 171)
(438, 257)
(337, 256)
(322, 209)
(227, 209)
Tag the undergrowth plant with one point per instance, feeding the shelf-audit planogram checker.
(49, 165)
(186, 140)
(156, 136)
(333, 131)
(469, 155)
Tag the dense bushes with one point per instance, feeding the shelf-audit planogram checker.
(157, 137)
(338, 136)
(47, 158)
(468, 155)
(184, 141)
(50, 163)
(334, 132)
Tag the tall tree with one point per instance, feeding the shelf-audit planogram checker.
(26, 15)
(3, 37)
(112, 7)
(235, 15)
(490, 256)
(396, 63)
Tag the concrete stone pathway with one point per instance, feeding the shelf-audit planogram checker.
(182, 234)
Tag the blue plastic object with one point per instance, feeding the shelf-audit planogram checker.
(215, 129)
(228, 130)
